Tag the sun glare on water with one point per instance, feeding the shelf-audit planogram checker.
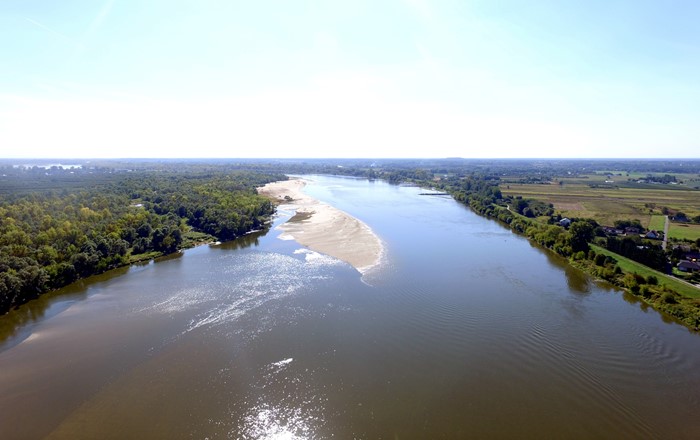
(291, 417)
(267, 424)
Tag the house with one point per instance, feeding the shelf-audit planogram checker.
(565, 222)
(688, 266)
(680, 217)
(610, 230)
(682, 247)
(632, 230)
(653, 235)
(692, 256)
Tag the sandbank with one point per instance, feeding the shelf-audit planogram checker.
(324, 228)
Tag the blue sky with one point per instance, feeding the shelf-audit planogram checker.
(382, 78)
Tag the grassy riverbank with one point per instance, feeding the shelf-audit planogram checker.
(630, 266)
(663, 293)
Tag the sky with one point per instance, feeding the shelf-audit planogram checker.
(361, 78)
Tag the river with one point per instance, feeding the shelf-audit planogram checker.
(465, 330)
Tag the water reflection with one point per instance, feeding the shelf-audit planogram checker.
(278, 414)
(170, 257)
(246, 241)
(668, 319)
(276, 423)
(577, 281)
(16, 325)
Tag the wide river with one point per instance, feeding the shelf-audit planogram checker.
(465, 330)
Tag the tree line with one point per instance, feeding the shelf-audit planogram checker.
(57, 231)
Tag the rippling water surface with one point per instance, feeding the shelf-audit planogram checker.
(464, 331)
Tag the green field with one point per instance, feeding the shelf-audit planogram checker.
(631, 266)
(680, 231)
(684, 231)
(608, 202)
(657, 223)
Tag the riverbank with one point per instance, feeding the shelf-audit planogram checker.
(651, 287)
(324, 228)
(190, 239)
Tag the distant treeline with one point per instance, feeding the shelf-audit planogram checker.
(56, 227)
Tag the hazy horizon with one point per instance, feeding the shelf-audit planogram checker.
(66, 160)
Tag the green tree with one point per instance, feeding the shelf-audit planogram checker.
(580, 233)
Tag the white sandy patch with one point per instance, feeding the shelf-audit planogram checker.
(324, 228)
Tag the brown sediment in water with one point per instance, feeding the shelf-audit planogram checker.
(324, 228)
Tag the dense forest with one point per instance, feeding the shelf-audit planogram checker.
(57, 225)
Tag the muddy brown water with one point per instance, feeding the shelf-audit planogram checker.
(465, 330)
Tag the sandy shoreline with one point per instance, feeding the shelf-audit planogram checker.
(325, 229)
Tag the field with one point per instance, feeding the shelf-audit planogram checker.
(657, 223)
(589, 196)
(680, 231)
(684, 231)
(686, 179)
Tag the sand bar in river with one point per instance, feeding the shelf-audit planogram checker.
(325, 229)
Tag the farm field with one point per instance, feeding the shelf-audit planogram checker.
(606, 202)
(657, 223)
(684, 231)
(680, 231)
(622, 178)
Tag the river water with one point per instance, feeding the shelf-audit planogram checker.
(465, 330)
